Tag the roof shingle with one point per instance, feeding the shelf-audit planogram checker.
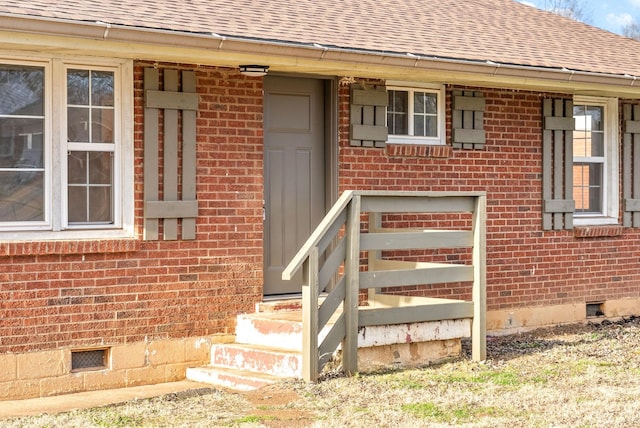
(502, 31)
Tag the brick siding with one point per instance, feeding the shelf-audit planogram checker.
(76, 294)
(526, 266)
(70, 294)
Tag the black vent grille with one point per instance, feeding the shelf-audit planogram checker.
(89, 360)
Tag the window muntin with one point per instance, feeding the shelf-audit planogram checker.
(595, 160)
(398, 112)
(91, 147)
(415, 115)
(81, 149)
(588, 158)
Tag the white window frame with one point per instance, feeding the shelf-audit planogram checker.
(54, 226)
(610, 187)
(439, 90)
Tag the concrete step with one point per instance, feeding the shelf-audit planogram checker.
(239, 380)
(274, 361)
(282, 305)
(278, 329)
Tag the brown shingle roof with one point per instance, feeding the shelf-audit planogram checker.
(502, 31)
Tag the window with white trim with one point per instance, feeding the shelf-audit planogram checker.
(66, 151)
(415, 115)
(595, 160)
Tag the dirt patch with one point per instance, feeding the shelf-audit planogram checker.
(583, 375)
(275, 406)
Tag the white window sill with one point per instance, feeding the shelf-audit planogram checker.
(415, 140)
(64, 243)
(579, 220)
(67, 235)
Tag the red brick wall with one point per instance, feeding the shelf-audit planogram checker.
(526, 265)
(76, 294)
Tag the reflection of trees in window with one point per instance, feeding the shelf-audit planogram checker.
(21, 143)
(22, 90)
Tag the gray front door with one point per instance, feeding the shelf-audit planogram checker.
(294, 173)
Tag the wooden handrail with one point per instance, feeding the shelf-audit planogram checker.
(325, 225)
(320, 262)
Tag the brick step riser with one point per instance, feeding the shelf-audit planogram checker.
(275, 363)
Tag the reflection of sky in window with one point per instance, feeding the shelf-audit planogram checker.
(582, 124)
(588, 118)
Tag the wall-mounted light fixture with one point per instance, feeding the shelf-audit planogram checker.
(254, 70)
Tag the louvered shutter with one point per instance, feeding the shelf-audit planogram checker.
(369, 116)
(631, 165)
(557, 164)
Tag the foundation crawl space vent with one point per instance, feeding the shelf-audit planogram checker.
(594, 310)
(94, 359)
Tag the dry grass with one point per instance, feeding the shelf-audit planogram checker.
(572, 376)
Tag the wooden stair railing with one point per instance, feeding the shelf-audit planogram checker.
(330, 261)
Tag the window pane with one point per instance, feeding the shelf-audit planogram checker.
(595, 115)
(100, 164)
(597, 144)
(102, 126)
(90, 193)
(418, 102)
(21, 196)
(77, 204)
(418, 125)
(425, 114)
(78, 167)
(431, 103)
(90, 98)
(397, 117)
(588, 137)
(78, 125)
(78, 87)
(21, 143)
(22, 90)
(587, 187)
(399, 101)
(102, 87)
(100, 205)
(432, 126)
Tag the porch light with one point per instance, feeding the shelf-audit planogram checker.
(254, 70)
